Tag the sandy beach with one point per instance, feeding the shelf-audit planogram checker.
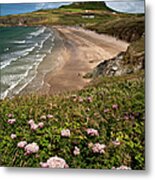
(76, 52)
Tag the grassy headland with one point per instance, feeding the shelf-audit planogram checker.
(114, 106)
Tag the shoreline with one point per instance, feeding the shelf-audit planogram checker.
(75, 53)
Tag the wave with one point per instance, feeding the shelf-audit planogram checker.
(22, 78)
(17, 55)
(37, 33)
(44, 40)
(19, 42)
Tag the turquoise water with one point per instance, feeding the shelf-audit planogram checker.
(21, 51)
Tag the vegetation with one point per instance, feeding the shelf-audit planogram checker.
(115, 110)
(112, 106)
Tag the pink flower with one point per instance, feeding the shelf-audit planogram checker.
(106, 110)
(44, 165)
(56, 162)
(126, 117)
(122, 167)
(13, 136)
(76, 151)
(11, 121)
(98, 148)
(41, 125)
(49, 116)
(34, 126)
(31, 148)
(115, 106)
(43, 117)
(31, 121)
(10, 115)
(89, 99)
(80, 99)
(116, 143)
(65, 133)
(22, 144)
(92, 132)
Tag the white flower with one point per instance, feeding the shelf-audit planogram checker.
(11, 121)
(56, 162)
(49, 116)
(31, 121)
(122, 167)
(44, 165)
(13, 136)
(22, 144)
(43, 117)
(41, 125)
(76, 151)
(31, 148)
(98, 148)
(34, 126)
(116, 143)
(92, 132)
(65, 133)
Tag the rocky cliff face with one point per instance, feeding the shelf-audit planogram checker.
(19, 20)
(127, 62)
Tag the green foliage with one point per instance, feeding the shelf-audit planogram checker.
(124, 123)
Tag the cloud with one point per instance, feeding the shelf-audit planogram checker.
(128, 6)
(49, 5)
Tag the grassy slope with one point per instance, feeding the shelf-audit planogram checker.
(125, 123)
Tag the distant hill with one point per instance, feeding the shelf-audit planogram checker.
(88, 6)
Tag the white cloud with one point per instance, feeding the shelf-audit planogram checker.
(48, 5)
(126, 6)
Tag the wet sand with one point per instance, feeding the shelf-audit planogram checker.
(76, 52)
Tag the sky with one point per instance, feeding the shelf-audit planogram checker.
(136, 6)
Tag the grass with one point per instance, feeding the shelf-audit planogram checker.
(114, 106)
(73, 111)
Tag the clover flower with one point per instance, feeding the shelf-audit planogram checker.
(56, 162)
(106, 110)
(116, 142)
(13, 136)
(43, 117)
(122, 167)
(44, 165)
(41, 125)
(92, 132)
(31, 121)
(10, 115)
(65, 133)
(49, 116)
(115, 106)
(11, 121)
(31, 148)
(98, 148)
(22, 144)
(80, 99)
(76, 151)
(34, 126)
(89, 99)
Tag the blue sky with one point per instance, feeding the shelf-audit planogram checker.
(130, 7)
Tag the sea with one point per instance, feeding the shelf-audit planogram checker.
(22, 49)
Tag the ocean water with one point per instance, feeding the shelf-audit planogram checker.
(21, 51)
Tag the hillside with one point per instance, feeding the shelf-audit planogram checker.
(112, 106)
